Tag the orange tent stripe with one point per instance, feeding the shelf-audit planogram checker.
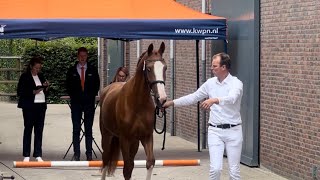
(98, 9)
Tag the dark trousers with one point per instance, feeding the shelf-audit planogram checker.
(76, 115)
(33, 118)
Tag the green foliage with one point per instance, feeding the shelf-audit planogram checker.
(10, 47)
(91, 41)
(58, 56)
(72, 41)
(57, 60)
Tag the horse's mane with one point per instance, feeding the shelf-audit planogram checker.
(140, 58)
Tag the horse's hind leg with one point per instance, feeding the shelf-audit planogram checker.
(105, 143)
(147, 143)
(129, 150)
(104, 172)
(110, 155)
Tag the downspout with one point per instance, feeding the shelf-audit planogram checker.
(198, 85)
(172, 53)
(100, 65)
(138, 48)
(204, 74)
(99, 53)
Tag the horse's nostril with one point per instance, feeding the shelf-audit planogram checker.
(162, 100)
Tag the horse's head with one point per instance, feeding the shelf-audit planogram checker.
(155, 67)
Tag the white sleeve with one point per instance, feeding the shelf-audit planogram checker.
(193, 98)
(233, 95)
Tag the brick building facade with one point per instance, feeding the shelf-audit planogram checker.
(290, 87)
(289, 84)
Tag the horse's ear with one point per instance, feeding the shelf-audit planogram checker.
(162, 48)
(150, 49)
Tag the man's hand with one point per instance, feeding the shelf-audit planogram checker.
(209, 102)
(167, 104)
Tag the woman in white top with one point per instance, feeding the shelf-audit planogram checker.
(32, 91)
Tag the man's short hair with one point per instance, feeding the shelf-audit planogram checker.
(225, 59)
(82, 49)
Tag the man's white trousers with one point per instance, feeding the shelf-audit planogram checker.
(218, 140)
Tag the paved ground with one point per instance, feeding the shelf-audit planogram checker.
(57, 138)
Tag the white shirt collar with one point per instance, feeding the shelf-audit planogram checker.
(226, 80)
(79, 65)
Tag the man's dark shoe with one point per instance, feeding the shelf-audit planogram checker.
(76, 158)
(89, 157)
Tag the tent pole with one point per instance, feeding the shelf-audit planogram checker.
(172, 53)
(225, 43)
(198, 85)
(138, 48)
(101, 63)
(204, 78)
(99, 58)
(203, 112)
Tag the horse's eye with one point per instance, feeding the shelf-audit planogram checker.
(148, 69)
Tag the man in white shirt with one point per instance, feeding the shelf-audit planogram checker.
(224, 93)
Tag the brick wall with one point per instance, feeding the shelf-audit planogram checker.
(290, 87)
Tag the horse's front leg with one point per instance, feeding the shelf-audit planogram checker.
(129, 149)
(147, 143)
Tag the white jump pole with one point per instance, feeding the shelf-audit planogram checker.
(137, 163)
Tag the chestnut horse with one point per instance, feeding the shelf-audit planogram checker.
(127, 114)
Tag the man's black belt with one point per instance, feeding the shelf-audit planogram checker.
(224, 126)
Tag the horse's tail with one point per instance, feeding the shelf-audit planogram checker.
(110, 155)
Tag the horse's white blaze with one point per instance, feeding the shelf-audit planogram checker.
(149, 173)
(158, 72)
(162, 92)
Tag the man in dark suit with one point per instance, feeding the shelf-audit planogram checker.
(82, 86)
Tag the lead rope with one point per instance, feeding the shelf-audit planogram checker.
(164, 129)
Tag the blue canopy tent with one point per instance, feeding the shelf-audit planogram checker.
(120, 19)
(114, 19)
